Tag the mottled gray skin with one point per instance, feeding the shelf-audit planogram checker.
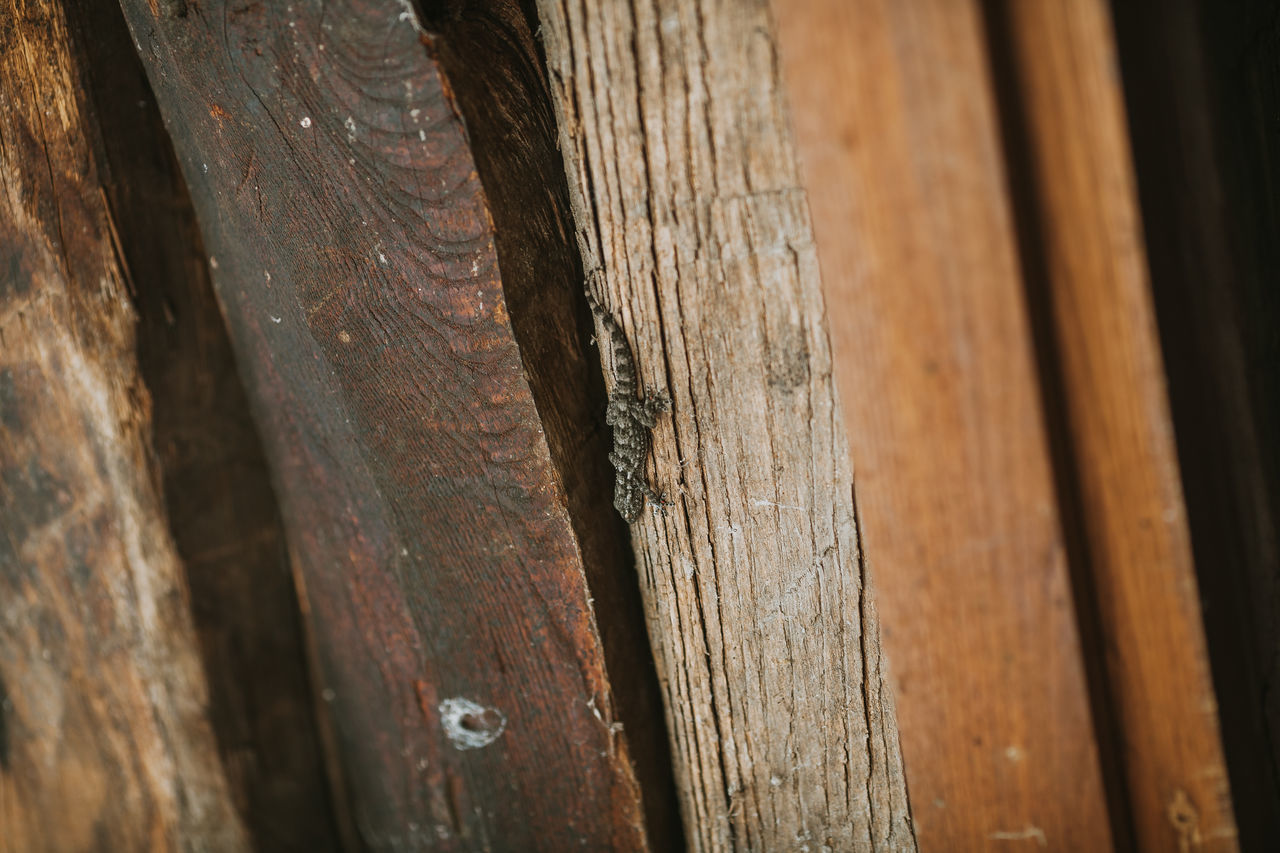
(632, 417)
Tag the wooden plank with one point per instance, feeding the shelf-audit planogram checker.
(686, 196)
(898, 130)
(218, 498)
(104, 739)
(1202, 82)
(1131, 506)
(354, 257)
(499, 82)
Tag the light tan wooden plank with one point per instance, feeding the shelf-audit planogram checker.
(1132, 509)
(898, 131)
(687, 199)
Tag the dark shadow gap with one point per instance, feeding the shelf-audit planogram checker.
(1202, 95)
(1029, 224)
(497, 74)
(221, 508)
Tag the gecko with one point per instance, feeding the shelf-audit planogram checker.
(632, 415)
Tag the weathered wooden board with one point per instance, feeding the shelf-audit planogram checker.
(104, 739)
(1083, 206)
(221, 509)
(1202, 81)
(353, 254)
(900, 138)
(686, 197)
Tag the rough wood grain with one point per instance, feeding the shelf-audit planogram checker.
(499, 81)
(104, 740)
(686, 197)
(354, 257)
(897, 126)
(220, 506)
(1202, 83)
(1068, 103)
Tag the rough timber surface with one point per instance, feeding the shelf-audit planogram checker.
(354, 256)
(499, 81)
(897, 125)
(218, 497)
(686, 198)
(104, 739)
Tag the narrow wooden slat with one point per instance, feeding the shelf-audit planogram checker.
(687, 202)
(104, 739)
(1202, 85)
(354, 256)
(1132, 511)
(897, 127)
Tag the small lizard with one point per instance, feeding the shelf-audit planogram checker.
(632, 416)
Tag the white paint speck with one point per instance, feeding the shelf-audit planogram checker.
(422, 134)
(470, 725)
(1013, 753)
(414, 113)
(762, 502)
(205, 168)
(213, 262)
(276, 319)
(306, 121)
(410, 17)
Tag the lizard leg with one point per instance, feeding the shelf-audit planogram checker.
(653, 405)
(655, 497)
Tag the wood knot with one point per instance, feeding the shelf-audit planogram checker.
(1185, 820)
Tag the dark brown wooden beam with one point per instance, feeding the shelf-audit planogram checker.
(354, 255)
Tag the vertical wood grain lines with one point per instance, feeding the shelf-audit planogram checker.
(686, 196)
